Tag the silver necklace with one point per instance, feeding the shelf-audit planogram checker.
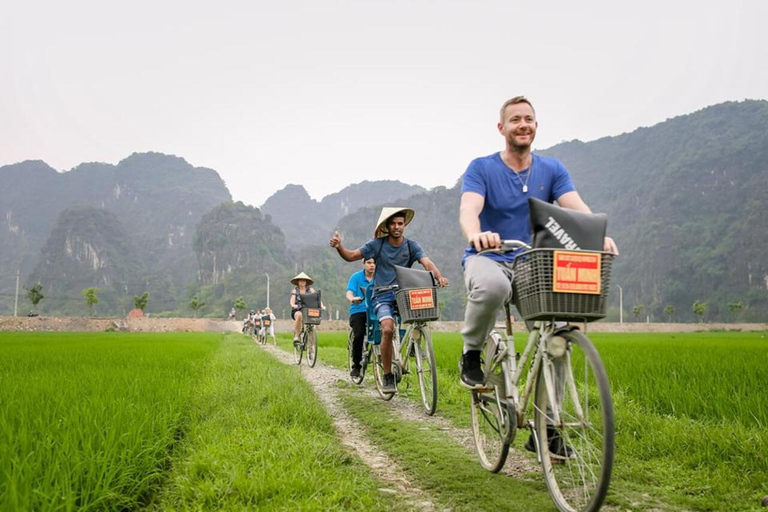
(527, 178)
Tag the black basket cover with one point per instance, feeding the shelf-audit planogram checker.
(311, 300)
(560, 228)
(414, 278)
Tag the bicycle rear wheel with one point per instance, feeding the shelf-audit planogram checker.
(491, 421)
(574, 425)
(378, 373)
(426, 368)
(311, 347)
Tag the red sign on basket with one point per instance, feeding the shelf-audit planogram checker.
(314, 313)
(576, 272)
(421, 299)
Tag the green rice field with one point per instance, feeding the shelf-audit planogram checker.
(188, 421)
(691, 414)
(181, 421)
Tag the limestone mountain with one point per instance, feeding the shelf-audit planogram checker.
(306, 221)
(88, 247)
(158, 199)
(687, 203)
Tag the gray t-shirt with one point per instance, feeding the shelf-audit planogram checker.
(387, 256)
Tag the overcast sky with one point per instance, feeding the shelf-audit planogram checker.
(328, 93)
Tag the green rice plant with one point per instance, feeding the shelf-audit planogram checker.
(708, 376)
(259, 439)
(88, 419)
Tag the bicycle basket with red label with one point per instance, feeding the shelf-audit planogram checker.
(558, 284)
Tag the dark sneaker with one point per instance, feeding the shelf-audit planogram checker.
(471, 370)
(389, 383)
(530, 445)
(355, 372)
(557, 446)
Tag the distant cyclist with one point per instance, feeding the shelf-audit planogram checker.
(358, 313)
(302, 284)
(388, 248)
(494, 207)
(270, 330)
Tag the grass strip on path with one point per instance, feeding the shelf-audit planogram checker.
(440, 466)
(258, 438)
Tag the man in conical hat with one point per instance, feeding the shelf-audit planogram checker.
(388, 248)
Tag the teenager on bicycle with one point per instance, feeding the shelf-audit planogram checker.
(494, 207)
(358, 313)
(388, 248)
(302, 284)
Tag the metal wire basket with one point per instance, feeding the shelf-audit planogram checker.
(548, 284)
(417, 304)
(311, 316)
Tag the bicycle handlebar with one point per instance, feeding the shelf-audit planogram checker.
(507, 246)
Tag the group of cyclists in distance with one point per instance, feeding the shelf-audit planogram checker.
(259, 323)
(495, 195)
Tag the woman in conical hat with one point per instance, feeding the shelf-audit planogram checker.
(302, 284)
(302, 276)
(387, 212)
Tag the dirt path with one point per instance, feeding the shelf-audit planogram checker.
(324, 380)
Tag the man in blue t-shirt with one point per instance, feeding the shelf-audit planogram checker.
(358, 313)
(494, 207)
(388, 248)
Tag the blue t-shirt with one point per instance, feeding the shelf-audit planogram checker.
(506, 206)
(356, 282)
(387, 256)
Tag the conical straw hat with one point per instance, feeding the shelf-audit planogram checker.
(386, 213)
(309, 280)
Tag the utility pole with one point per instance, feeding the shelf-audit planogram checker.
(621, 305)
(16, 300)
(267, 288)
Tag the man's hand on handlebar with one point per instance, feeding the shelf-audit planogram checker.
(485, 240)
(610, 246)
(357, 300)
(442, 282)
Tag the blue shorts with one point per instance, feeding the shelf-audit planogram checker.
(384, 306)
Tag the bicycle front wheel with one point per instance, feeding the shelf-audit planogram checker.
(312, 348)
(426, 368)
(573, 418)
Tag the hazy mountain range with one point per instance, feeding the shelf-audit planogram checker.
(686, 201)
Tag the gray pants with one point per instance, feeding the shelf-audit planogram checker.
(489, 285)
